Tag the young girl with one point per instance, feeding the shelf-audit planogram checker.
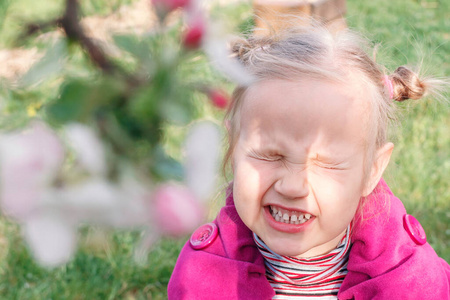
(308, 215)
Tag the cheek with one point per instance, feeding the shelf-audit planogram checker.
(246, 183)
(252, 176)
(249, 187)
(338, 194)
(337, 181)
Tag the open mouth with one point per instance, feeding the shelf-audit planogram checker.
(288, 216)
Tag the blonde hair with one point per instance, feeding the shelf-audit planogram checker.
(314, 52)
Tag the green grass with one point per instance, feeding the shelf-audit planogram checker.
(414, 33)
(408, 31)
(94, 273)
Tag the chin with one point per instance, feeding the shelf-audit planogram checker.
(287, 250)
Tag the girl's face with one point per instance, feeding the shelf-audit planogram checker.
(300, 155)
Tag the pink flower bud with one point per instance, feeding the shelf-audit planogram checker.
(176, 210)
(218, 98)
(164, 7)
(194, 35)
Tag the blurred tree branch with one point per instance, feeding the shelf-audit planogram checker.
(71, 25)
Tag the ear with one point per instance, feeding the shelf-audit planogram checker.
(382, 157)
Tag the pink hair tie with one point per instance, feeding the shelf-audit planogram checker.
(388, 84)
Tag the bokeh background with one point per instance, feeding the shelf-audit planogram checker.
(412, 32)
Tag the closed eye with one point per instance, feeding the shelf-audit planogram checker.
(329, 163)
(264, 157)
(330, 166)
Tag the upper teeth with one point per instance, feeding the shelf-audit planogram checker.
(289, 217)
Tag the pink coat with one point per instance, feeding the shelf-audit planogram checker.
(385, 261)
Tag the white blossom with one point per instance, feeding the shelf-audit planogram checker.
(202, 147)
(88, 148)
(215, 47)
(136, 209)
(148, 239)
(94, 200)
(51, 237)
(29, 162)
(98, 201)
(214, 43)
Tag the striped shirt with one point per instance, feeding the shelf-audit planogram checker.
(318, 277)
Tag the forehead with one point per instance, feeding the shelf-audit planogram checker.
(305, 109)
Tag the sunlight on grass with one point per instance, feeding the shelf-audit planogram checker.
(419, 173)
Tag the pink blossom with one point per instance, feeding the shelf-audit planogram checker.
(218, 98)
(163, 7)
(29, 163)
(176, 210)
(194, 35)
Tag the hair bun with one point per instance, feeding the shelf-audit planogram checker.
(245, 49)
(240, 48)
(407, 84)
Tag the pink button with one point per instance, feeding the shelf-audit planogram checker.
(204, 236)
(414, 229)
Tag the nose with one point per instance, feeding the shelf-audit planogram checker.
(293, 184)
